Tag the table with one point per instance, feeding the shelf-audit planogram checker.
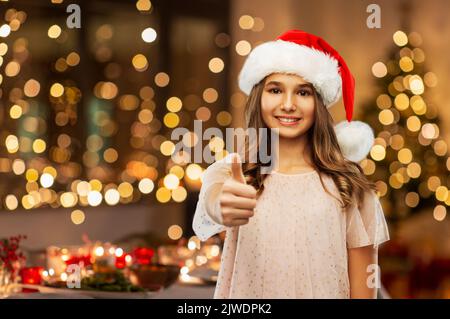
(176, 291)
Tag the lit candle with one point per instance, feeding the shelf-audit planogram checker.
(31, 275)
(128, 259)
(55, 260)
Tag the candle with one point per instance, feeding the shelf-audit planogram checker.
(55, 260)
(31, 275)
(129, 260)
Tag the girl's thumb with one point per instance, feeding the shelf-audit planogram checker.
(236, 169)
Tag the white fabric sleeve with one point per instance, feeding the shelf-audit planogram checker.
(207, 218)
(366, 225)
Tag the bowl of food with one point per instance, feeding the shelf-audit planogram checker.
(154, 275)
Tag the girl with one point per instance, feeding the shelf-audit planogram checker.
(310, 228)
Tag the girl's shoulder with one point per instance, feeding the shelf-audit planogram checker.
(330, 187)
(328, 181)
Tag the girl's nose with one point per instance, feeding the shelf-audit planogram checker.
(288, 105)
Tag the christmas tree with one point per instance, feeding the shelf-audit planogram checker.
(409, 160)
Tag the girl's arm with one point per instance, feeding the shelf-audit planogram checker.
(366, 230)
(205, 223)
(362, 263)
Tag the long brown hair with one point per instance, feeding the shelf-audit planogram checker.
(326, 154)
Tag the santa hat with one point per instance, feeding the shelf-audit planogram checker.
(309, 56)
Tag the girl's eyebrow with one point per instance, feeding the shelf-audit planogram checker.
(307, 85)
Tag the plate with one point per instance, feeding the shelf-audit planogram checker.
(98, 294)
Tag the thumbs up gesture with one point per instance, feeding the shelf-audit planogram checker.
(237, 199)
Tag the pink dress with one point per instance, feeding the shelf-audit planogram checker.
(295, 246)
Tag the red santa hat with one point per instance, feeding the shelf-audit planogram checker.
(309, 56)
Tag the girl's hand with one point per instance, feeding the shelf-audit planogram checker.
(237, 199)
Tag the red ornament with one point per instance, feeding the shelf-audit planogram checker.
(86, 260)
(10, 256)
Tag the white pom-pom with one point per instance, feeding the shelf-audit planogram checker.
(355, 139)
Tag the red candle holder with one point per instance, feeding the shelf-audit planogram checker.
(143, 255)
(31, 275)
(121, 261)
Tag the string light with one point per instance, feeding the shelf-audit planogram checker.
(149, 35)
(77, 216)
(5, 30)
(54, 31)
(112, 197)
(175, 232)
(216, 65)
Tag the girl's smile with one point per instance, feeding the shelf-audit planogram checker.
(288, 120)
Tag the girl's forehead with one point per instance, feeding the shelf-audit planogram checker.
(287, 78)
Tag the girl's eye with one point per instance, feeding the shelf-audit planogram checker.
(274, 91)
(304, 93)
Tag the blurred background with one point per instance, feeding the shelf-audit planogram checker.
(86, 116)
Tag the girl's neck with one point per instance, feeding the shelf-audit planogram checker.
(293, 154)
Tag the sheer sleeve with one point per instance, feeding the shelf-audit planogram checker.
(207, 219)
(366, 224)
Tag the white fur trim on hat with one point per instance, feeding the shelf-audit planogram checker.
(355, 139)
(316, 67)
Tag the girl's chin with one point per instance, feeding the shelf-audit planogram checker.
(290, 136)
(289, 133)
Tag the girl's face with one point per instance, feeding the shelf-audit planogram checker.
(287, 103)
